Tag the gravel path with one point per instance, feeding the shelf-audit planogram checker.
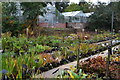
(48, 74)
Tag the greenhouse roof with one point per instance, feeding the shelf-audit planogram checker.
(74, 13)
(88, 14)
(77, 13)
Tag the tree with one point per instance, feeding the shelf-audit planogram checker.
(31, 10)
(84, 6)
(101, 19)
(87, 7)
(61, 6)
(9, 8)
(0, 19)
(116, 10)
(9, 18)
(72, 7)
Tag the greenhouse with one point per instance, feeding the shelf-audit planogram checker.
(49, 40)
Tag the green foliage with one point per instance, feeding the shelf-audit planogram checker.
(61, 6)
(40, 48)
(9, 8)
(85, 7)
(32, 10)
(22, 45)
(10, 19)
(14, 66)
(11, 24)
(101, 19)
(86, 48)
(72, 7)
(28, 47)
(73, 75)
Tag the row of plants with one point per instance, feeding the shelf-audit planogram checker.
(94, 68)
(20, 67)
(73, 74)
(54, 60)
(68, 55)
(86, 37)
(27, 64)
(66, 52)
(98, 65)
(101, 37)
(22, 44)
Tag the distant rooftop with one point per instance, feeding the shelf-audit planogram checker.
(74, 13)
(77, 13)
(88, 14)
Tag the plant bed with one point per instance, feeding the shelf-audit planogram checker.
(47, 65)
(43, 47)
(73, 58)
(92, 68)
(98, 65)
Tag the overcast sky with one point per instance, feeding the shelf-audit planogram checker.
(93, 1)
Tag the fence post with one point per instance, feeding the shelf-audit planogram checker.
(78, 53)
(27, 30)
(108, 61)
(78, 50)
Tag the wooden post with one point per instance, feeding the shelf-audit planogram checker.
(108, 62)
(83, 30)
(27, 32)
(96, 31)
(112, 24)
(109, 49)
(78, 51)
(78, 54)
